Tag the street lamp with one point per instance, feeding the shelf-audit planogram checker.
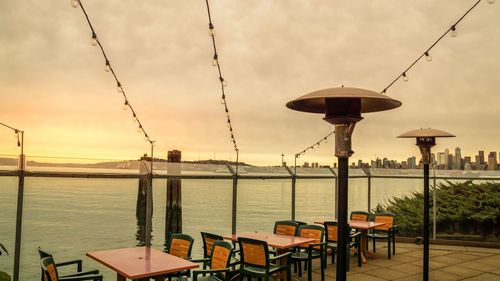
(426, 138)
(342, 107)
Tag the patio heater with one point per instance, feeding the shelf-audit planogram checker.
(342, 107)
(426, 138)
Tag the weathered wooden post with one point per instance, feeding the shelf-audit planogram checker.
(141, 211)
(173, 213)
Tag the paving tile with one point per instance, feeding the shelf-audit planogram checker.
(358, 276)
(408, 268)
(416, 277)
(460, 270)
(388, 274)
(485, 277)
(443, 275)
(448, 259)
(435, 253)
(432, 264)
(481, 265)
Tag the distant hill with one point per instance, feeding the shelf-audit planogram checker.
(125, 164)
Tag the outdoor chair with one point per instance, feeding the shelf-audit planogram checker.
(45, 254)
(219, 262)
(180, 245)
(331, 228)
(310, 251)
(49, 271)
(286, 228)
(359, 216)
(208, 241)
(385, 232)
(255, 260)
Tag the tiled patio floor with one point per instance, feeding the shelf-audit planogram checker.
(446, 263)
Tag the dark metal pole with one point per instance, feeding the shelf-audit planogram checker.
(342, 218)
(19, 215)
(235, 196)
(369, 193)
(426, 222)
(149, 201)
(294, 180)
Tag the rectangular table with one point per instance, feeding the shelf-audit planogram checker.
(274, 240)
(363, 226)
(140, 262)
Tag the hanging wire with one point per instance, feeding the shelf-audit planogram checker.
(318, 143)
(109, 68)
(426, 53)
(223, 83)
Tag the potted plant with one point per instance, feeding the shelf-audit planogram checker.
(3, 275)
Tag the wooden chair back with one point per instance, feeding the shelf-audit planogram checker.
(49, 269)
(254, 252)
(180, 245)
(220, 257)
(387, 218)
(286, 228)
(315, 232)
(208, 242)
(359, 216)
(331, 231)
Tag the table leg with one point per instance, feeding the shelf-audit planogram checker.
(281, 275)
(364, 245)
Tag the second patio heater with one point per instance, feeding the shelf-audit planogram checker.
(342, 107)
(426, 138)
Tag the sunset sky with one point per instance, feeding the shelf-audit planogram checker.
(54, 87)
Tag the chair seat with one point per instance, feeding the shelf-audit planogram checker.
(260, 270)
(331, 244)
(305, 255)
(378, 235)
(209, 278)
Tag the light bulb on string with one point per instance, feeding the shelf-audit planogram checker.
(125, 105)
(405, 78)
(428, 57)
(453, 31)
(211, 30)
(491, 1)
(119, 87)
(74, 3)
(215, 60)
(139, 129)
(107, 68)
(93, 41)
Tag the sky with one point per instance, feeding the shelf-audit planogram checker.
(54, 87)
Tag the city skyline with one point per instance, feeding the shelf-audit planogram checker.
(54, 87)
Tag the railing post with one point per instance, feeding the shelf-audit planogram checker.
(335, 192)
(294, 178)
(369, 176)
(434, 202)
(19, 217)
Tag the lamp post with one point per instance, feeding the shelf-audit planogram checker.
(20, 196)
(426, 138)
(342, 107)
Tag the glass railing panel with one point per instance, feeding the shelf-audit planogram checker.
(384, 189)
(206, 206)
(71, 216)
(358, 195)
(203, 169)
(262, 171)
(356, 172)
(315, 199)
(304, 172)
(8, 207)
(397, 172)
(261, 203)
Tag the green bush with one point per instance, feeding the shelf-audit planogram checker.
(465, 208)
(4, 276)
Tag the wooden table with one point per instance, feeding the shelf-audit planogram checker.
(277, 241)
(140, 262)
(363, 227)
(280, 242)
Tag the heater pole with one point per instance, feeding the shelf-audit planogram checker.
(342, 218)
(426, 222)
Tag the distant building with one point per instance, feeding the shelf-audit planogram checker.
(481, 157)
(306, 165)
(457, 159)
(412, 162)
(492, 161)
(441, 160)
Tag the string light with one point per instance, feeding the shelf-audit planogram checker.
(453, 32)
(108, 68)
(74, 3)
(428, 57)
(223, 82)
(318, 143)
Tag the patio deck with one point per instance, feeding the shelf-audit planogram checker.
(446, 263)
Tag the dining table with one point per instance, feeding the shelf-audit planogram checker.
(140, 263)
(280, 242)
(363, 227)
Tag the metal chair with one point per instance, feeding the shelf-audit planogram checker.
(314, 250)
(359, 216)
(385, 232)
(255, 260)
(331, 228)
(45, 254)
(219, 262)
(49, 271)
(180, 245)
